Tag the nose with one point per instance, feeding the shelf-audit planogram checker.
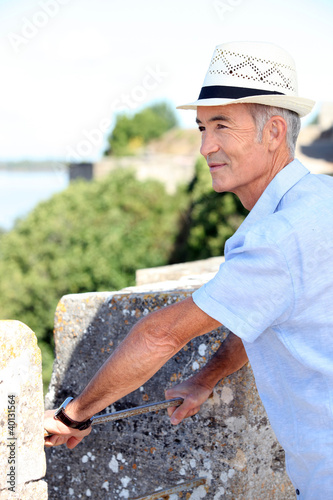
(208, 144)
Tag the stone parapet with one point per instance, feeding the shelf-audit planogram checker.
(199, 270)
(230, 442)
(22, 458)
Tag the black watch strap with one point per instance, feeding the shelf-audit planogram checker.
(65, 419)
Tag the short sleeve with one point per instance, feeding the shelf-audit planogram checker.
(252, 290)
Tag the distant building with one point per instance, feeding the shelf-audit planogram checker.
(81, 171)
(315, 143)
(321, 147)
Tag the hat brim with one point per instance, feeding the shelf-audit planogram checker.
(300, 105)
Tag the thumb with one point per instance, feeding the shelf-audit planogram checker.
(170, 394)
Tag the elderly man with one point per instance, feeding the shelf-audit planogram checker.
(275, 289)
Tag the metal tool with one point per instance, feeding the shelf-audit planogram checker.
(138, 410)
(193, 483)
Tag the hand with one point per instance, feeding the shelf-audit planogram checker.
(61, 434)
(193, 392)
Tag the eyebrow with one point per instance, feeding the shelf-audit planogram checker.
(217, 118)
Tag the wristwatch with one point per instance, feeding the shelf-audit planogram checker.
(65, 419)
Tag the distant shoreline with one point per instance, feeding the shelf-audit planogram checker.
(27, 166)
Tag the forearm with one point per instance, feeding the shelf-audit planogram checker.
(148, 346)
(129, 367)
(230, 357)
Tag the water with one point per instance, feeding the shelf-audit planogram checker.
(21, 191)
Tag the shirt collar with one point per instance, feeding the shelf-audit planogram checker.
(276, 189)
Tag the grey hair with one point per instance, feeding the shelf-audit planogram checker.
(262, 113)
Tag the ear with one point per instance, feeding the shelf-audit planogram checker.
(275, 132)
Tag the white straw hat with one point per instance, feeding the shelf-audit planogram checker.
(251, 72)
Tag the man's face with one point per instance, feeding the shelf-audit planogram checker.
(237, 162)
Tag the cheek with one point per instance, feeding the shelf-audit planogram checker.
(245, 140)
(234, 145)
(244, 151)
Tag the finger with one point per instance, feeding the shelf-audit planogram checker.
(75, 440)
(169, 394)
(185, 410)
(55, 440)
(193, 412)
(171, 410)
(72, 442)
(175, 393)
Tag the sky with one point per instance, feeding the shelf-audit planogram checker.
(69, 66)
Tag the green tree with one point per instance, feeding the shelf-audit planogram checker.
(91, 237)
(132, 132)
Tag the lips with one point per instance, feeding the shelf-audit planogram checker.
(216, 166)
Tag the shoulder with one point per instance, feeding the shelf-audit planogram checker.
(306, 208)
(297, 207)
(308, 204)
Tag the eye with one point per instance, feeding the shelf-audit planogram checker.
(201, 128)
(221, 126)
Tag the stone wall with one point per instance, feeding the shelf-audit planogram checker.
(171, 170)
(202, 270)
(230, 442)
(22, 458)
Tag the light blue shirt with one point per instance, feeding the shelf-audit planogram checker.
(275, 291)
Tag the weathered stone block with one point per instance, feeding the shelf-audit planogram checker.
(230, 442)
(36, 490)
(200, 269)
(22, 458)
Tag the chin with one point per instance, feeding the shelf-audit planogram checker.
(218, 187)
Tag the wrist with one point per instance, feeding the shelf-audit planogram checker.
(204, 379)
(77, 411)
(212, 373)
(66, 416)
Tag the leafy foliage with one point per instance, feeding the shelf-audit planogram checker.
(130, 133)
(91, 237)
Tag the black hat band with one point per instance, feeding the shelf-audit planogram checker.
(225, 92)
